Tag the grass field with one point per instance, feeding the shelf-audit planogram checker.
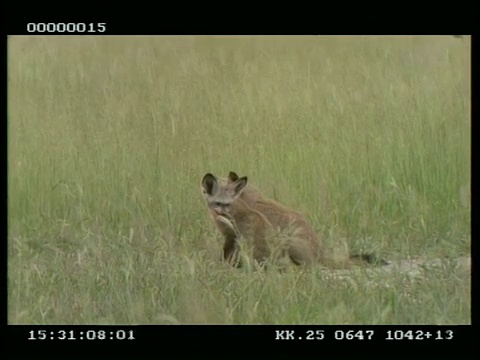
(109, 138)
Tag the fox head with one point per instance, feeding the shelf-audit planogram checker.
(220, 194)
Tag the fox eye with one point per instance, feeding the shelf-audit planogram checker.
(220, 204)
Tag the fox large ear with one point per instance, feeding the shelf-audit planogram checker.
(232, 176)
(240, 185)
(209, 184)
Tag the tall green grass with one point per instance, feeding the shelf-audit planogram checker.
(109, 138)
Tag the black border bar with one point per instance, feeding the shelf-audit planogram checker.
(243, 339)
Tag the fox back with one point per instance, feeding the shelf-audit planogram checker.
(305, 246)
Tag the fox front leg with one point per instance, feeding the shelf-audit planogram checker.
(231, 251)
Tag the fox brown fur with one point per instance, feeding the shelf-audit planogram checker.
(272, 230)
